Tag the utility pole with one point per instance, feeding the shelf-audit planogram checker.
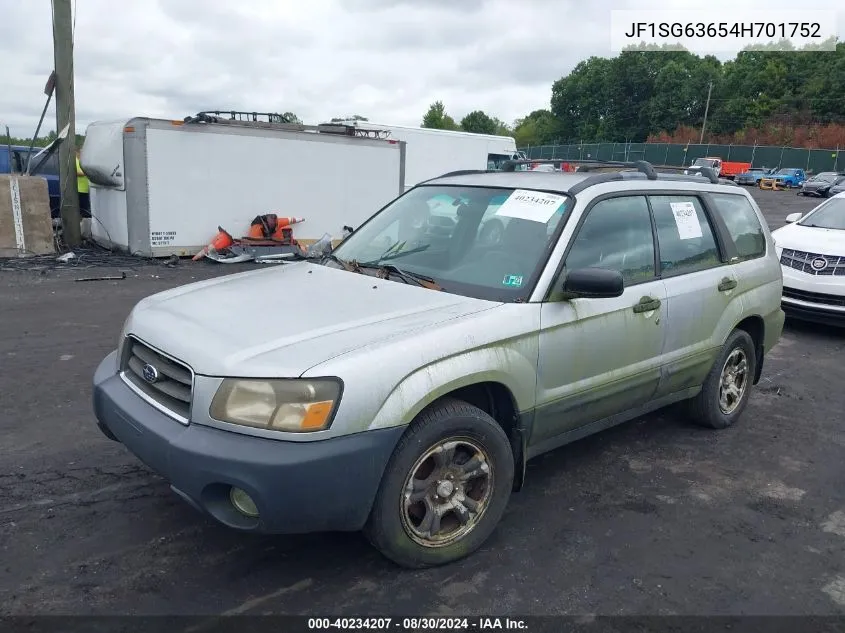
(66, 116)
(706, 109)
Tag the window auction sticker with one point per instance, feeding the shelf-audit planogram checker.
(536, 206)
(686, 219)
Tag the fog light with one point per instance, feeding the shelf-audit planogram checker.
(243, 502)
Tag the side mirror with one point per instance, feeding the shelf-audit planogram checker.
(793, 217)
(593, 283)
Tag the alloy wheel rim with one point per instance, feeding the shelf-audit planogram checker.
(446, 492)
(733, 381)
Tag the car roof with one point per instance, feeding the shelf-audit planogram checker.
(571, 182)
(544, 180)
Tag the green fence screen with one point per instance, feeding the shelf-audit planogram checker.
(810, 160)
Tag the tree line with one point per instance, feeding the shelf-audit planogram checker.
(647, 94)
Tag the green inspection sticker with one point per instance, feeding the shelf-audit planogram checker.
(514, 281)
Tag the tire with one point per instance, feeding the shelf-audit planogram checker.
(395, 526)
(705, 409)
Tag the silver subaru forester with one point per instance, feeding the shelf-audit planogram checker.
(400, 384)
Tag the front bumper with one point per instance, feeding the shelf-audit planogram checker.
(812, 191)
(815, 298)
(298, 487)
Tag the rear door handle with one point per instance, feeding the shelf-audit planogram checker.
(647, 304)
(727, 284)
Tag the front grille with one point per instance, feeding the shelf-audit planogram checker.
(814, 297)
(166, 382)
(803, 261)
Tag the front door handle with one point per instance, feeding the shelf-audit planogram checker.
(727, 284)
(647, 304)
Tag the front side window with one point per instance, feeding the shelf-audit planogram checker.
(742, 224)
(616, 235)
(684, 235)
(828, 215)
(488, 243)
(495, 161)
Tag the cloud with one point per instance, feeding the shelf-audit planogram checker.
(384, 59)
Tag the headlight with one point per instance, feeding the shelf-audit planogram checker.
(293, 405)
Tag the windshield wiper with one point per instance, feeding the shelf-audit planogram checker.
(337, 260)
(405, 275)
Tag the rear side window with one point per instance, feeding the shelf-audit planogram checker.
(742, 223)
(684, 235)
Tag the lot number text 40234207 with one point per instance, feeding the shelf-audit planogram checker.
(418, 624)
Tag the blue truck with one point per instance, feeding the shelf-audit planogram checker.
(16, 163)
(788, 177)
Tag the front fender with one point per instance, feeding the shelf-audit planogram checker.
(416, 391)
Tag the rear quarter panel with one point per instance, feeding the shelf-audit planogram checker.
(760, 286)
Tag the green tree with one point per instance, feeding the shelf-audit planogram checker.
(290, 117)
(437, 118)
(502, 128)
(478, 122)
(538, 128)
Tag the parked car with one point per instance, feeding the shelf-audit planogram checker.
(406, 395)
(811, 249)
(821, 183)
(838, 188)
(787, 177)
(752, 176)
(725, 169)
(16, 163)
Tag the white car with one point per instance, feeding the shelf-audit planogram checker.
(811, 249)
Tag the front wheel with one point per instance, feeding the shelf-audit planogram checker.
(727, 388)
(445, 488)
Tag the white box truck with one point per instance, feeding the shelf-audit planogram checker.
(160, 187)
(431, 152)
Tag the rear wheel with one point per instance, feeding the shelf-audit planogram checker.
(727, 388)
(445, 488)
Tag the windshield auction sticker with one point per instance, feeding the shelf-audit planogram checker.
(530, 205)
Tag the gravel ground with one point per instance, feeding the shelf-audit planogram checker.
(653, 517)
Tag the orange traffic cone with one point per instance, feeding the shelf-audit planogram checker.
(280, 222)
(221, 242)
(283, 230)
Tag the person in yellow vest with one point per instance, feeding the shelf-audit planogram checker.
(82, 188)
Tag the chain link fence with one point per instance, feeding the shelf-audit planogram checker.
(676, 154)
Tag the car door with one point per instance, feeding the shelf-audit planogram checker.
(702, 301)
(599, 357)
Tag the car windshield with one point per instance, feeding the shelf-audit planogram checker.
(786, 172)
(487, 243)
(825, 177)
(703, 162)
(829, 215)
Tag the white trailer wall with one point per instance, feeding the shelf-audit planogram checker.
(183, 181)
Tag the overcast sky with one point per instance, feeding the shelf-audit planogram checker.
(384, 59)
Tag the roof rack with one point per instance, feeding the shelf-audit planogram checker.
(274, 121)
(642, 166)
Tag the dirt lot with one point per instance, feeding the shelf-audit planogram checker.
(654, 517)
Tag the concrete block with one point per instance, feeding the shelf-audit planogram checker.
(25, 225)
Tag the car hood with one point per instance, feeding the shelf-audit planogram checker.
(811, 240)
(816, 184)
(282, 321)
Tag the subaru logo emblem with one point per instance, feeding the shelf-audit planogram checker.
(819, 263)
(150, 373)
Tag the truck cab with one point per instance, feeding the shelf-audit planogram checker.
(13, 160)
(712, 162)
